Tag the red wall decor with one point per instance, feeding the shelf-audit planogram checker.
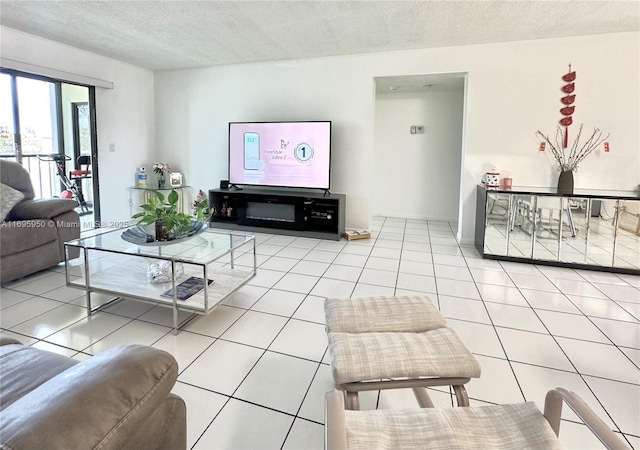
(567, 111)
(569, 157)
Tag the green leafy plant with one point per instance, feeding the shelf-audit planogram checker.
(202, 211)
(159, 209)
(201, 208)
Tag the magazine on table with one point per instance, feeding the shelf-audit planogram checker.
(187, 288)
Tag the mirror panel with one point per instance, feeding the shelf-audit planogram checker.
(496, 224)
(627, 250)
(577, 221)
(522, 224)
(601, 233)
(548, 226)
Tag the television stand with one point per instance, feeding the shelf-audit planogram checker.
(235, 187)
(314, 215)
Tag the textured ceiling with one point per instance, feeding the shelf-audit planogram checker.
(177, 34)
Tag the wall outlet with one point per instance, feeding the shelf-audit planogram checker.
(412, 130)
(419, 129)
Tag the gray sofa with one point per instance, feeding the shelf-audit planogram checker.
(33, 233)
(117, 399)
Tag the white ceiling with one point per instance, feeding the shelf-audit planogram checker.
(163, 35)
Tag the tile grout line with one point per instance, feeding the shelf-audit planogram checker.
(565, 354)
(496, 331)
(257, 362)
(304, 397)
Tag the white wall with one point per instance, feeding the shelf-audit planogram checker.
(124, 114)
(194, 107)
(421, 172)
(513, 90)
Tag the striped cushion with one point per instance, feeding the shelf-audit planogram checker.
(370, 314)
(519, 426)
(373, 356)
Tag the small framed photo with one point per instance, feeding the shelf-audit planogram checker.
(175, 179)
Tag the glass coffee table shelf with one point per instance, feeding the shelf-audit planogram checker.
(110, 265)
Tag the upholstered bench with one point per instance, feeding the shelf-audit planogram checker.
(395, 342)
(517, 426)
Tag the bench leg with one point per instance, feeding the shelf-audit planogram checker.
(461, 395)
(423, 397)
(352, 401)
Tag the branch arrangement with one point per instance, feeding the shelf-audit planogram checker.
(570, 162)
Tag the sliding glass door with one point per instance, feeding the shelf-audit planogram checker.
(38, 117)
(49, 127)
(30, 119)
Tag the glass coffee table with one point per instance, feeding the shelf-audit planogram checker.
(110, 265)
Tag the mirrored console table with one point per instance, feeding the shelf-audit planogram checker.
(597, 230)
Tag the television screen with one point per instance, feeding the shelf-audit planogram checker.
(284, 154)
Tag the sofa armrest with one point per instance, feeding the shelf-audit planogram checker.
(100, 402)
(166, 429)
(46, 208)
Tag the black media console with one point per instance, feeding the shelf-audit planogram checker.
(294, 213)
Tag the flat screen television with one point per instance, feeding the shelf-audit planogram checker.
(282, 154)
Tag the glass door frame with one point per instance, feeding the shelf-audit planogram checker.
(75, 124)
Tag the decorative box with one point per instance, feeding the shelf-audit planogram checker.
(492, 180)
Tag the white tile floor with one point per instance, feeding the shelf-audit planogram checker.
(254, 372)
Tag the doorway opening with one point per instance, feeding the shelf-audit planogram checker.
(418, 159)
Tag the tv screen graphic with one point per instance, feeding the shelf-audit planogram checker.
(282, 154)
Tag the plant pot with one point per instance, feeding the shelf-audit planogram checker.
(162, 233)
(565, 182)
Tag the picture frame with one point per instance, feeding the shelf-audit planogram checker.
(175, 179)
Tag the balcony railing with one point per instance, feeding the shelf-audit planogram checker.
(43, 175)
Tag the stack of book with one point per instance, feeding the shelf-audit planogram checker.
(357, 234)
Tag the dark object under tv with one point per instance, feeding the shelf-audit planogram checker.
(307, 214)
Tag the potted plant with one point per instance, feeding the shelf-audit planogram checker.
(568, 158)
(169, 223)
(161, 169)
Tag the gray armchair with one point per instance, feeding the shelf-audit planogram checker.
(118, 399)
(33, 233)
